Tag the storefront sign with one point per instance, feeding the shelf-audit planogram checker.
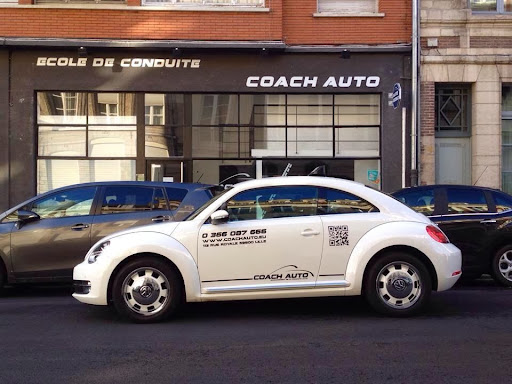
(126, 62)
(313, 81)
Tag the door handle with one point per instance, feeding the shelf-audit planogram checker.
(309, 232)
(159, 219)
(79, 227)
(490, 221)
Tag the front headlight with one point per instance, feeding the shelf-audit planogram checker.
(96, 252)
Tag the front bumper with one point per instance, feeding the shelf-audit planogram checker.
(92, 283)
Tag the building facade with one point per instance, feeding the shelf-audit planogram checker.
(199, 90)
(466, 93)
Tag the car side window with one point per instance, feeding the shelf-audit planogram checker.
(273, 202)
(421, 201)
(462, 200)
(72, 202)
(124, 199)
(502, 201)
(331, 201)
(175, 196)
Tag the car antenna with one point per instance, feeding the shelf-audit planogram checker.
(200, 177)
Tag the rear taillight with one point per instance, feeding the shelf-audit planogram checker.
(437, 234)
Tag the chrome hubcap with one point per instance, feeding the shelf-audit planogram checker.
(399, 285)
(146, 291)
(505, 265)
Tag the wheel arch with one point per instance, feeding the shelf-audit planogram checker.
(404, 249)
(496, 246)
(133, 257)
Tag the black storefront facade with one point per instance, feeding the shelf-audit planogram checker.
(198, 115)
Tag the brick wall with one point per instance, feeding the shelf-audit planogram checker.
(427, 133)
(490, 42)
(442, 42)
(289, 21)
(300, 27)
(130, 24)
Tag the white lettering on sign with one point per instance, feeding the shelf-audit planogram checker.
(306, 82)
(109, 62)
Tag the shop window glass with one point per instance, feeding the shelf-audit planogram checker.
(61, 107)
(125, 199)
(347, 6)
(331, 202)
(219, 142)
(461, 200)
(111, 108)
(310, 141)
(74, 202)
(506, 139)
(273, 202)
(112, 141)
(55, 173)
(263, 110)
(357, 142)
(309, 110)
(210, 109)
(356, 110)
(60, 140)
(163, 141)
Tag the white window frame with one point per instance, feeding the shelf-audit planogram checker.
(500, 8)
(352, 13)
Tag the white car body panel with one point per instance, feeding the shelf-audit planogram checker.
(295, 249)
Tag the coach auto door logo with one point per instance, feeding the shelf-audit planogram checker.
(289, 272)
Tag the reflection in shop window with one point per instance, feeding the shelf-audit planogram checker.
(55, 140)
(211, 109)
(61, 107)
(112, 141)
(497, 6)
(55, 173)
(111, 108)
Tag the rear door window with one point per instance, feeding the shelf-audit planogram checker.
(124, 199)
(332, 202)
(502, 201)
(421, 200)
(175, 196)
(465, 200)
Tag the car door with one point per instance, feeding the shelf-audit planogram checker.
(126, 206)
(468, 223)
(346, 218)
(273, 240)
(49, 248)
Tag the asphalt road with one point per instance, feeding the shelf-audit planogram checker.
(464, 337)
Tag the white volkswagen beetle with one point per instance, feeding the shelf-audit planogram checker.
(274, 238)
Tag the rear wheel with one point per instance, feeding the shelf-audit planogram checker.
(501, 266)
(146, 290)
(398, 284)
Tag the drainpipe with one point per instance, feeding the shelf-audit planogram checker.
(415, 139)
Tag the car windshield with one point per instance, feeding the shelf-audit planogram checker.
(204, 206)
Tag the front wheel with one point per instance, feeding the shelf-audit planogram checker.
(501, 266)
(146, 290)
(398, 284)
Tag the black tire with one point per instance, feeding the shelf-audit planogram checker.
(397, 284)
(146, 290)
(501, 266)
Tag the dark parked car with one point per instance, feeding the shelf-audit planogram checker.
(477, 220)
(43, 238)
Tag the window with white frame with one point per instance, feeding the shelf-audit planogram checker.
(247, 3)
(347, 6)
(495, 6)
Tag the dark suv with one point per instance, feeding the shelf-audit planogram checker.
(43, 238)
(478, 220)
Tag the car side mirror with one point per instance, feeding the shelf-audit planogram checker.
(26, 217)
(219, 217)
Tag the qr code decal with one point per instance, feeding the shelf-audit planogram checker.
(338, 235)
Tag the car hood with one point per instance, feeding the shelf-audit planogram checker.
(163, 228)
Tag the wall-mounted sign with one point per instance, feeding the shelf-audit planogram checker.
(396, 95)
(126, 62)
(312, 81)
(373, 176)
